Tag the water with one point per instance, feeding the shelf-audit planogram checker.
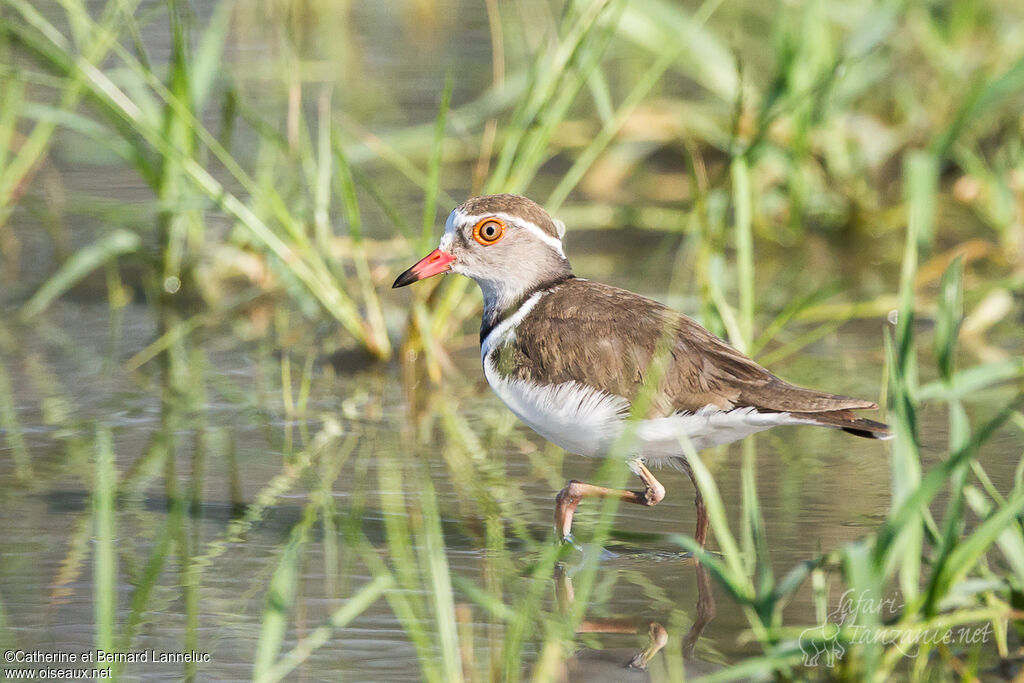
(818, 490)
(199, 541)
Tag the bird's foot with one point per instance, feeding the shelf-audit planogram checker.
(570, 541)
(578, 554)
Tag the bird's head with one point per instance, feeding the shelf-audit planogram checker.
(506, 242)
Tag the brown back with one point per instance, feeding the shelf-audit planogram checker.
(605, 337)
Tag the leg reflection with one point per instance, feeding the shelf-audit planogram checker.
(657, 635)
(705, 611)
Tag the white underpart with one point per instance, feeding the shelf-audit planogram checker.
(588, 421)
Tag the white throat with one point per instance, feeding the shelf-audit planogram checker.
(498, 295)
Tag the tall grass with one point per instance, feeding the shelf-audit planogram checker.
(165, 119)
(790, 113)
(912, 554)
(861, 130)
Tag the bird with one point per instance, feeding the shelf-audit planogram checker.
(574, 359)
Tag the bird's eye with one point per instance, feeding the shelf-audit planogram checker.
(489, 231)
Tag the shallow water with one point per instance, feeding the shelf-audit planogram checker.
(818, 489)
(199, 537)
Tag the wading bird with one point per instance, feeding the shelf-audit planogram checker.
(570, 356)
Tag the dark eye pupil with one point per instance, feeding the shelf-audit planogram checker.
(490, 230)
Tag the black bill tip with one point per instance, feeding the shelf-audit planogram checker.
(406, 278)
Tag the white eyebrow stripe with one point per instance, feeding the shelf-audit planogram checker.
(552, 242)
(449, 225)
(449, 231)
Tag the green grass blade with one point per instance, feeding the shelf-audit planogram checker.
(38, 141)
(14, 437)
(340, 618)
(973, 380)
(979, 101)
(652, 24)
(438, 580)
(719, 521)
(12, 92)
(434, 167)
(792, 310)
(105, 564)
(1010, 541)
(964, 556)
(609, 130)
(947, 323)
(81, 263)
(207, 64)
(323, 175)
(932, 482)
(744, 236)
(281, 595)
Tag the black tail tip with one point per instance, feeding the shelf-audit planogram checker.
(882, 434)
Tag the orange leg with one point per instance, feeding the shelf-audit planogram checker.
(701, 533)
(705, 611)
(657, 634)
(568, 499)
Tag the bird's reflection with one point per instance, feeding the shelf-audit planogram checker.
(597, 665)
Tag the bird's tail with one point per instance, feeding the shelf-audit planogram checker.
(848, 422)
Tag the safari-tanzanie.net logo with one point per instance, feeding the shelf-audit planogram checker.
(844, 627)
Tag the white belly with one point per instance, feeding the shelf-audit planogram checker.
(588, 421)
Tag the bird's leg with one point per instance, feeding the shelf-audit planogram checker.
(656, 633)
(569, 498)
(701, 533)
(658, 638)
(705, 611)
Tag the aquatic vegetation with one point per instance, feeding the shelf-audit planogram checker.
(218, 458)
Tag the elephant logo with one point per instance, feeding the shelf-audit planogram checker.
(824, 639)
(821, 640)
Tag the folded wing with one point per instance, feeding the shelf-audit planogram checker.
(622, 343)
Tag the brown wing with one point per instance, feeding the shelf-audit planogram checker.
(606, 337)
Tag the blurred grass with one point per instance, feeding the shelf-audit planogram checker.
(794, 164)
(790, 127)
(105, 568)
